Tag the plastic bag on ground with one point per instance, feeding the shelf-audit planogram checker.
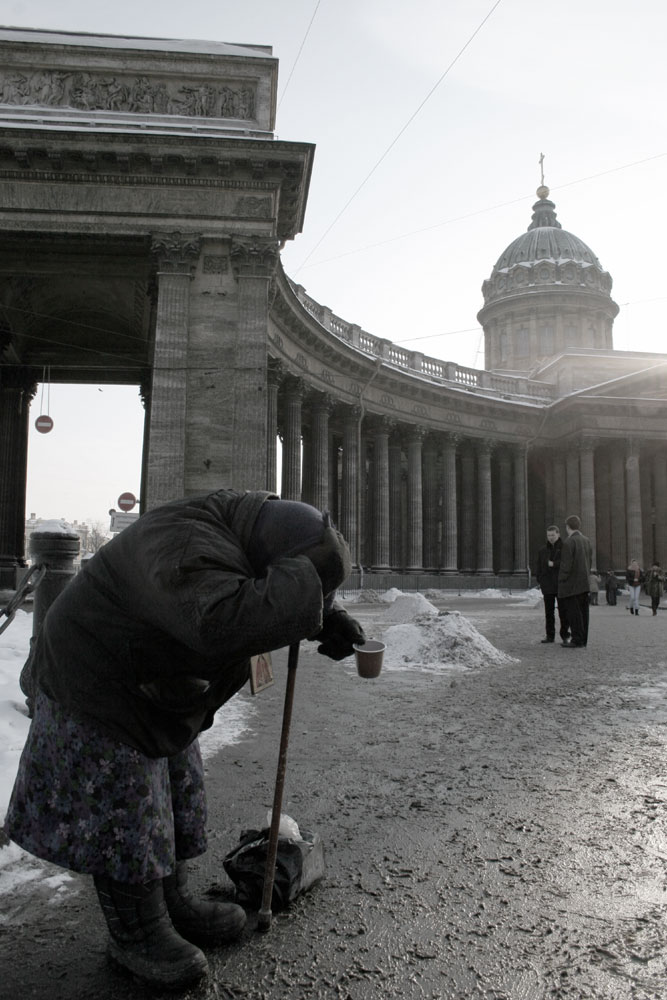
(299, 864)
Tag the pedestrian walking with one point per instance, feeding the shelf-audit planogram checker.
(131, 663)
(655, 584)
(548, 564)
(634, 577)
(611, 587)
(574, 582)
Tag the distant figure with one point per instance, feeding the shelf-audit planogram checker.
(634, 576)
(574, 581)
(548, 563)
(655, 584)
(611, 587)
(594, 589)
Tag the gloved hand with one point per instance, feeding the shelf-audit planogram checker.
(331, 558)
(338, 634)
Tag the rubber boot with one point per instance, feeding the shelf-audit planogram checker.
(201, 921)
(143, 939)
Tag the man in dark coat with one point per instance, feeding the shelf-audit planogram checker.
(574, 581)
(131, 663)
(548, 564)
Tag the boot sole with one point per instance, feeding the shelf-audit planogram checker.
(171, 977)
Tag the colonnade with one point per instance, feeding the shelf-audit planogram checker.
(619, 489)
(408, 499)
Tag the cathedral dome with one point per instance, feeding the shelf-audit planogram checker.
(547, 292)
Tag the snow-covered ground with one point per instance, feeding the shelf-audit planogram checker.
(416, 634)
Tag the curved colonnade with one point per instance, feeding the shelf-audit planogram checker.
(421, 462)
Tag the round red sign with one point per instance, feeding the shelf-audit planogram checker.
(44, 424)
(126, 501)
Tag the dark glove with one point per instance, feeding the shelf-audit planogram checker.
(331, 558)
(338, 634)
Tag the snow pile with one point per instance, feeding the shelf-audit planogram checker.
(444, 642)
(407, 607)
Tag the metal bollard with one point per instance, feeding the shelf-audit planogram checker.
(57, 552)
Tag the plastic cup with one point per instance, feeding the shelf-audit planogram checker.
(369, 658)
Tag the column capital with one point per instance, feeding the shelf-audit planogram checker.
(294, 386)
(484, 446)
(321, 401)
(20, 377)
(254, 256)
(275, 373)
(380, 424)
(176, 252)
(587, 442)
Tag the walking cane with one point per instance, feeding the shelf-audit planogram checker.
(264, 916)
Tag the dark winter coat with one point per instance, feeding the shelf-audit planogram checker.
(575, 565)
(654, 584)
(156, 631)
(547, 576)
(630, 578)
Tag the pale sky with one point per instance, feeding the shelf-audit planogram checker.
(413, 197)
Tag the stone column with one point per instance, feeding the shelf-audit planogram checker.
(450, 506)
(381, 429)
(349, 517)
(633, 500)
(415, 436)
(645, 477)
(484, 508)
(431, 544)
(275, 374)
(468, 508)
(587, 488)
(660, 490)
(573, 488)
(176, 254)
(254, 260)
(619, 548)
(506, 511)
(520, 511)
(397, 545)
(559, 497)
(306, 462)
(603, 510)
(291, 479)
(549, 509)
(16, 390)
(321, 407)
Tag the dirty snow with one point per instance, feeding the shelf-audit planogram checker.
(440, 643)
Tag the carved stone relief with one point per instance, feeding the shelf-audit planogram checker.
(138, 94)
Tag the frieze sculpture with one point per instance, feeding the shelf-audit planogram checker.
(85, 91)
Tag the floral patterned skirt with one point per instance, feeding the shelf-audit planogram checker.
(86, 802)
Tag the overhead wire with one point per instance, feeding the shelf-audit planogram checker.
(400, 133)
(481, 211)
(298, 55)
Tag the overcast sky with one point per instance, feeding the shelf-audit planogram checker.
(428, 118)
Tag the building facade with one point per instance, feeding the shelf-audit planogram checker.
(143, 204)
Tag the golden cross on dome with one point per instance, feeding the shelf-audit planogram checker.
(542, 169)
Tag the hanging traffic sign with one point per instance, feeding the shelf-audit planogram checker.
(44, 424)
(126, 501)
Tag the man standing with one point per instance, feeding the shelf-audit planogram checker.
(573, 582)
(548, 564)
